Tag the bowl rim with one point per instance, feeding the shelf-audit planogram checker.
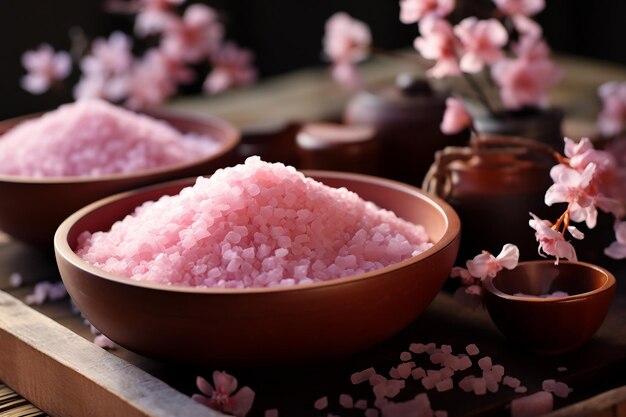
(452, 233)
(609, 283)
(232, 137)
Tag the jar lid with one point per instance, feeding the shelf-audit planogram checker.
(327, 135)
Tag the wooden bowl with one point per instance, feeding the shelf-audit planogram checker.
(261, 325)
(549, 325)
(31, 209)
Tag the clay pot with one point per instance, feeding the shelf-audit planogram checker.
(337, 147)
(406, 116)
(549, 325)
(542, 125)
(493, 185)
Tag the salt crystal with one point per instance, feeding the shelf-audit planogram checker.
(521, 390)
(511, 382)
(465, 363)
(445, 385)
(405, 356)
(418, 373)
(498, 370)
(371, 412)
(104, 342)
(271, 413)
(362, 376)
(447, 372)
(480, 386)
(393, 372)
(467, 383)
(346, 401)
(321, 403)
(429, 382)
(561, 369)
(207, 236)
(418, 406)
(472, 350)
(485, 363)
(417, 348)
(532, 405)
(15, 280)
(446, 348)
(94, 138)
(560, 389)
(437, 358)
(430, 348)
(377, 379)
(404, 369)
(361, 404)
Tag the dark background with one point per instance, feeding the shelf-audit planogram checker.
(285, 34)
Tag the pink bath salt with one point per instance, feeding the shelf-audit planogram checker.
(362, 376)
(404, 369)
(511, 382)
(532, 405)
(485, 363)
(464, 363)
(389, 388)
(521, 390)
(561, 369)
(498, 370)
(371, 412)
(472, 350)
(417, 348)
(271, 413)
(560, 389)
(453, 362)
(188, 239)
(446, 349)
(429, 382)
(480, 386)
(418, 406)
(15, 280)
(321, 403)
(431, 348)
(467, 383)
(360, 404)
(377, 379)
(393, 372)
(104, 342)
(418, 373)
(405, 356)
(346, 401)
(92, 138)
(46, 291)
(437, 358)
(445, 385)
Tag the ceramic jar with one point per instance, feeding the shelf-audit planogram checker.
(543, 125)
(337, 147)
(406, 117)
(493, 185)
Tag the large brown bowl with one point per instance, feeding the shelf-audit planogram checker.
(549, 325)
(261, 325)
(31, 209)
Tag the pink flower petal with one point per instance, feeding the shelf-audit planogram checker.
(508, 257)
(240, 404)
(224, 382)
(204, 386)
(455, 118)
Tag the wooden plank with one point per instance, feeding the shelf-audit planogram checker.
(67, 376)
(607, 404)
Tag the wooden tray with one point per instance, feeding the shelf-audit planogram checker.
(47, 357)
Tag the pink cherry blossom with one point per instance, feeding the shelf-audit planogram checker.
(112, 56)
(617, 249)
(487, 265)
(582, 153)
(439, 43)
(464, 275)
(551, 242)
(523, 7)
(412, 11)
(220, 397)
(153, 21)
(232, 66)
(482, 42)
(347, 75)
(574, 188)
(526, 26)
(531, 49)
(455, 118)
(194, 37)
(346, 39)
(524, 82)
(44, 67)
(153, 80)
(613, 114)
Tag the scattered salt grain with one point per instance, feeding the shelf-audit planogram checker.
(472, 350)
(346, 401)
(521, 390)
(371, 412)
(389, 388)
(418, 373)
(361, 404)
(418, 406)
(271, 413)
(560, 389)
(46, 291)
(467, 383)
(480, 386)
(15, 280)
(405, 356)
(445, 385)
(404, 369)
(393, 372)
(437, 358)
(430, 348)
(561, 369)
(417, 348)
(321, 403)
(485, 363)
(95, 138)
(511, 382)
(446, 348)
(172, 240)
(362, 376)
(429, 382)
(464, 363)
(104, 342)
(532, 405)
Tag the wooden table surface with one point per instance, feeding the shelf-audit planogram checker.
(595, 369)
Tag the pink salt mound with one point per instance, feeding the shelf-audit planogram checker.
(94, 138)
(253, 225)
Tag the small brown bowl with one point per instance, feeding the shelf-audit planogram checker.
(31, 209)
(261, 325)
(549, 325)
